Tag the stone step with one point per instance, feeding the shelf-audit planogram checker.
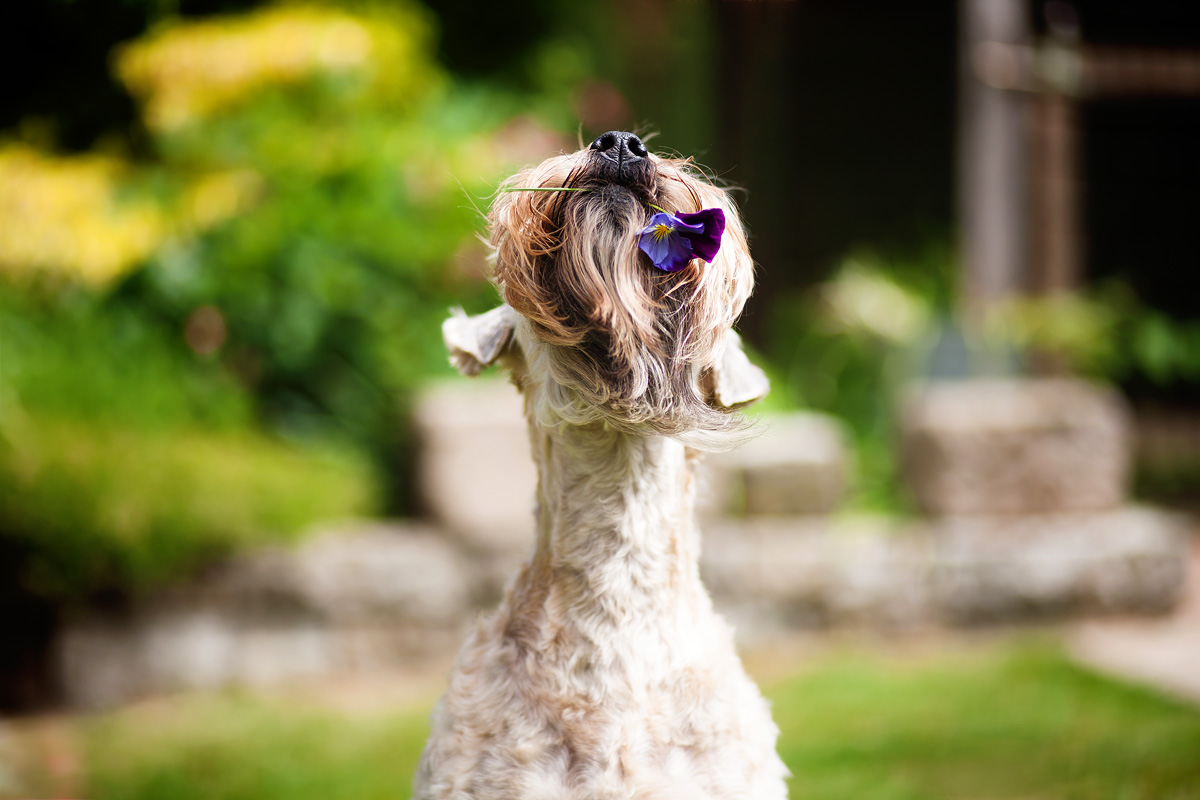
(1015, 447)
(371, 597)
(823, 572)
(360, 597)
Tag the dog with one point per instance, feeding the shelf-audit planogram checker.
(604, 672)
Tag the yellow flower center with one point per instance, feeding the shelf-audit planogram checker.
(661, 232)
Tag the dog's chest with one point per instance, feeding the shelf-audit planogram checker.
(657, 710)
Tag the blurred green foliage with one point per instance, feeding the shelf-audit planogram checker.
(848, 345)
(69, 353)
(1106, 332)
(332, 284)
(125, 461)
(308, 213)
(107, 507)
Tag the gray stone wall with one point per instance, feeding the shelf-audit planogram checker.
(779, 573)
(1024, 485)
(355, 598)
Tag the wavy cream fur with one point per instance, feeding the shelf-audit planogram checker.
(605, 673)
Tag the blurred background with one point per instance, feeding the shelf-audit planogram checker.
(233, 455)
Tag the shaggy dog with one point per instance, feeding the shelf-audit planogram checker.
(605, 673)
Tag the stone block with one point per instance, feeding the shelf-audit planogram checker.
(982, 569)
(1015, 447)
(376, 573)
(355, 573)
(796, 465)
(814, 572)
(367, 597)
(476, 474)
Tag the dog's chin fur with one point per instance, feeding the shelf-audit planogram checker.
(633, 346)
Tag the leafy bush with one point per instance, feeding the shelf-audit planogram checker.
(216, 343)
(1106, 332)
(104, 507)
(124, 461)
(365, 161)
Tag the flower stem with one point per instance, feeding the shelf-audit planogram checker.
(542, 189)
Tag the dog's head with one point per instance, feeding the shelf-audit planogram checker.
(589, 320)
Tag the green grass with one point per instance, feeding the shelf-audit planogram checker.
(1024, 723)
(1016, 722)
(238, 747)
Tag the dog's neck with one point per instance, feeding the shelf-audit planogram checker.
(616, 533)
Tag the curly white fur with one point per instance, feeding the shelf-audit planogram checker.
(605, 672)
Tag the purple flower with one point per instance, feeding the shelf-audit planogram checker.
(672, 240)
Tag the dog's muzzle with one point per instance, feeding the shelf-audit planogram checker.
(619, 147)
(620, 157)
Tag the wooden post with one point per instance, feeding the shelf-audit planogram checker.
(993, 157)
(1057, 193)
(1057, 206)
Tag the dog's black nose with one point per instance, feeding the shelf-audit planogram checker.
(619, 146)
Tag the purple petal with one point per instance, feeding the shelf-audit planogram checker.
(707, 241)
(669, 251)
(657, 249)
(679, 256)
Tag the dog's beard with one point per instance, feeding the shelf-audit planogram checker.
(604, 287)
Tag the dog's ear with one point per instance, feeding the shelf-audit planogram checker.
(475, 342)
(735, 382)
